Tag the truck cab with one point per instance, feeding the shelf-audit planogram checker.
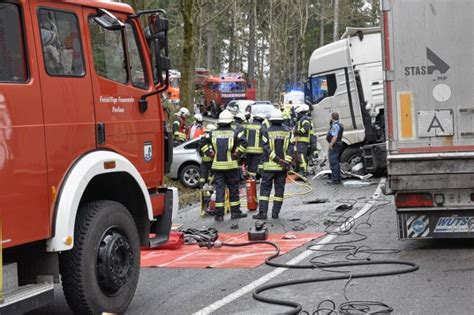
(346, 77)
(83, 150)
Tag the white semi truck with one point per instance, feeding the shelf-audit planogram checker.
(429, 80)
(346, 77)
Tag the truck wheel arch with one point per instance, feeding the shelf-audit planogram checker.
(78, 187)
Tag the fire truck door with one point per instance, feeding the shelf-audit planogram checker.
(120, 79)
(65, 86)
(24, 211)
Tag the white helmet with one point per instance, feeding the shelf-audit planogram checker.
(183, 111)
(233, 110)
(240, 116)
(259, 116)
(198, 117)
(225, 117)
(276, 115)
(301, 108)
(211, 127)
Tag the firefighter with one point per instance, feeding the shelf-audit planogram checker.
(254, 149)
(197, 128)
(179, 126)
(287, 120)
(334, 138)
(206, 163)
(277, 159)
(238, 123)
(302, 137)
(225, 145)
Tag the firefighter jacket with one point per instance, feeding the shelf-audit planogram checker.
(196, 130)
(204, 157)
(276, 143)
(253, 136)
(179, 129)
(224, 145)
(303, 129)
(238, 127)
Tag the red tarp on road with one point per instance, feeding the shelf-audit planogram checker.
(192, 256)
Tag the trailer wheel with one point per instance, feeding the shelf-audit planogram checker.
(100, 274)
(351, 156)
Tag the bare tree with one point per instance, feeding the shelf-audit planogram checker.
(252, 13)
(186, 85)
(336, 20)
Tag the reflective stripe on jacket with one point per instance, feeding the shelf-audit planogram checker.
(223, 141)
(276, 143)
(303, 130)
(179, 130)
(253, 136)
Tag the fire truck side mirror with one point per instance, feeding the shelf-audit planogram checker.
(158, 24)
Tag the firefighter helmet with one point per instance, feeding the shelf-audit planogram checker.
(183, 111)
(198, 118)
(276, 115)
(240, 116)
(225, 118)
(211, 127)
(302, 108)
(259, 116)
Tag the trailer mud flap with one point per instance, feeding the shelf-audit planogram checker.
(435, 224)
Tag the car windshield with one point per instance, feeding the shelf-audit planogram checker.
(232, 87)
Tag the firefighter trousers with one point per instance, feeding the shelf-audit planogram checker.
(269, 179)
(204, 173)
(253, 160)
(302, 150)
(229, 179)
(334, 160)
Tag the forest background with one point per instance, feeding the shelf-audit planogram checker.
(269, 41)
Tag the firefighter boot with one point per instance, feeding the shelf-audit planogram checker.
(260, 216)
(238, 215)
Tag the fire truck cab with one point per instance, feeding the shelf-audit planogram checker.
(83, 151)
(219, 91)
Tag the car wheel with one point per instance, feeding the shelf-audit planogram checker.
(189, 176)
(100, 273)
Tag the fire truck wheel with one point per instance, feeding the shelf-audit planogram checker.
(100, 274)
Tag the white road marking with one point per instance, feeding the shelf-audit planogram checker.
(269, 276)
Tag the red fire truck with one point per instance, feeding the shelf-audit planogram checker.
(219, 91)
(83, 151)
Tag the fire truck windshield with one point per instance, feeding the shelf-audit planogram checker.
(232, 87)
(174, 82)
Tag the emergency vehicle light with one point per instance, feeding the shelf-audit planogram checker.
(414, 200)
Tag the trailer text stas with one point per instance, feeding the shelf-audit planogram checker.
(219, 91)
(83, 151)
(429, 71)
(346, 77)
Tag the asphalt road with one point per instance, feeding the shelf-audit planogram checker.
(442, 285)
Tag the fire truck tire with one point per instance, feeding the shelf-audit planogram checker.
(100, 274)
